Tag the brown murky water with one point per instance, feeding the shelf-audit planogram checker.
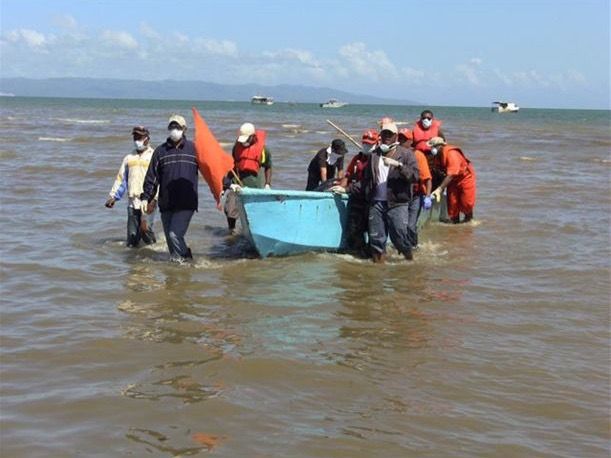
(494, 342)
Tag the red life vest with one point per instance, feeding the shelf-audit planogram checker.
(248, 159)
(422, 135)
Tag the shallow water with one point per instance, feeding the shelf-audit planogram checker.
(493, 342)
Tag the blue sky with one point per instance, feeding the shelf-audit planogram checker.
(539, 53)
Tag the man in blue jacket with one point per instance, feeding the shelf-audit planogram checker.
(173, 170)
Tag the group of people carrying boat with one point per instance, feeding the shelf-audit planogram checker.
(396, 174)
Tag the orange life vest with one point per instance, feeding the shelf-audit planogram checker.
(422, 135)
(248, 159)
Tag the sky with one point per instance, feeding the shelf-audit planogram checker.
(536, 53)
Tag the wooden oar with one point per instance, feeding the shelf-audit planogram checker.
(347, 135)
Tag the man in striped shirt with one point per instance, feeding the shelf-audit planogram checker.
(173, 172)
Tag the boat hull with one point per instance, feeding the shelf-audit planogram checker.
(286, 222)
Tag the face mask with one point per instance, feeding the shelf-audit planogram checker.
(434, 151)
(366, 149)
(175, 134)
(139, 144)
(426, 123)
(384, 148)
(246, 144)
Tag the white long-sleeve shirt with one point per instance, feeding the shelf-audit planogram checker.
(131, 176)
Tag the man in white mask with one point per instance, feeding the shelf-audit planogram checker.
(327, 162)
(426, 128)
(130, 180)
(173, 172)
(387, 186)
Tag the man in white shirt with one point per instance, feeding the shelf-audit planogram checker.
(130, 179)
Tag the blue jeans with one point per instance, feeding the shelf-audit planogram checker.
(384, 221)
(412, 220)
(175, 225)
(134, 231)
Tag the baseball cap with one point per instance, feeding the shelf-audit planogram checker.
(178, 120)
(407, 133)
(338, 146)
(389, 125)
(436, 141)
(140, 130)
(370, 137)
(246, 130)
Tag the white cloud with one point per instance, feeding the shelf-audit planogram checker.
(121, 39)
(31, 38)
(371, 64)
(217, 47)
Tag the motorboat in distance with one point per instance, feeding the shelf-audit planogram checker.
(505, 107)
(262, 100)
(333, 103)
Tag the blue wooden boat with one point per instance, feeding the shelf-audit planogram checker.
(286, 222)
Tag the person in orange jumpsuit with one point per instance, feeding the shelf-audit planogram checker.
(459, 180)
(423, 189)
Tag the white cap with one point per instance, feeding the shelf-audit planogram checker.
(177, 119)
(246, 130)
(391, 126)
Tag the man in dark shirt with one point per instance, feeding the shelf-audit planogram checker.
(326, 162)
(173, 169)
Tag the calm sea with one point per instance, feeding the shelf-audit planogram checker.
(493, 342)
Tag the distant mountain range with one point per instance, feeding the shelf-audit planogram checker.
(179, 90)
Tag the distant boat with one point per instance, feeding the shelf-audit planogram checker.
(505, 107)
(261, 100)
(287, 222)
(333, 103)
(7, 94)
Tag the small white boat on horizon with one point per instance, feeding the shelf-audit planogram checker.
(505, 107)
(333, 103)
(262, 100)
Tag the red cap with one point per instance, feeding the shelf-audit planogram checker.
(370, 137)
(407, 133)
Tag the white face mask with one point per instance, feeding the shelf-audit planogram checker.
(366, 148)
(384, 148)
(175, 134)
(426, 123)
(139, 144)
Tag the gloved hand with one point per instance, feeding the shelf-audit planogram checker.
(144, 204)
(235, 187)
(428, 202)
(110, 202)
(337, 189)
(436, 194)
(268, 186)
(390, 162)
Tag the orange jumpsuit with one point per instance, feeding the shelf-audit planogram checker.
(462, 188)
(424, 171)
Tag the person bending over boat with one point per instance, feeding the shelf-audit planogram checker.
(387, 185)
(358, 209)
(325, 164)
(173, 171)
(130, 179)
(250, 155)
(460, 179)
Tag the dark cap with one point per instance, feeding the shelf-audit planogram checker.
(338, 146)
(140, 130)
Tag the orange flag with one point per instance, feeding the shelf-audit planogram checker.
(212, 161)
